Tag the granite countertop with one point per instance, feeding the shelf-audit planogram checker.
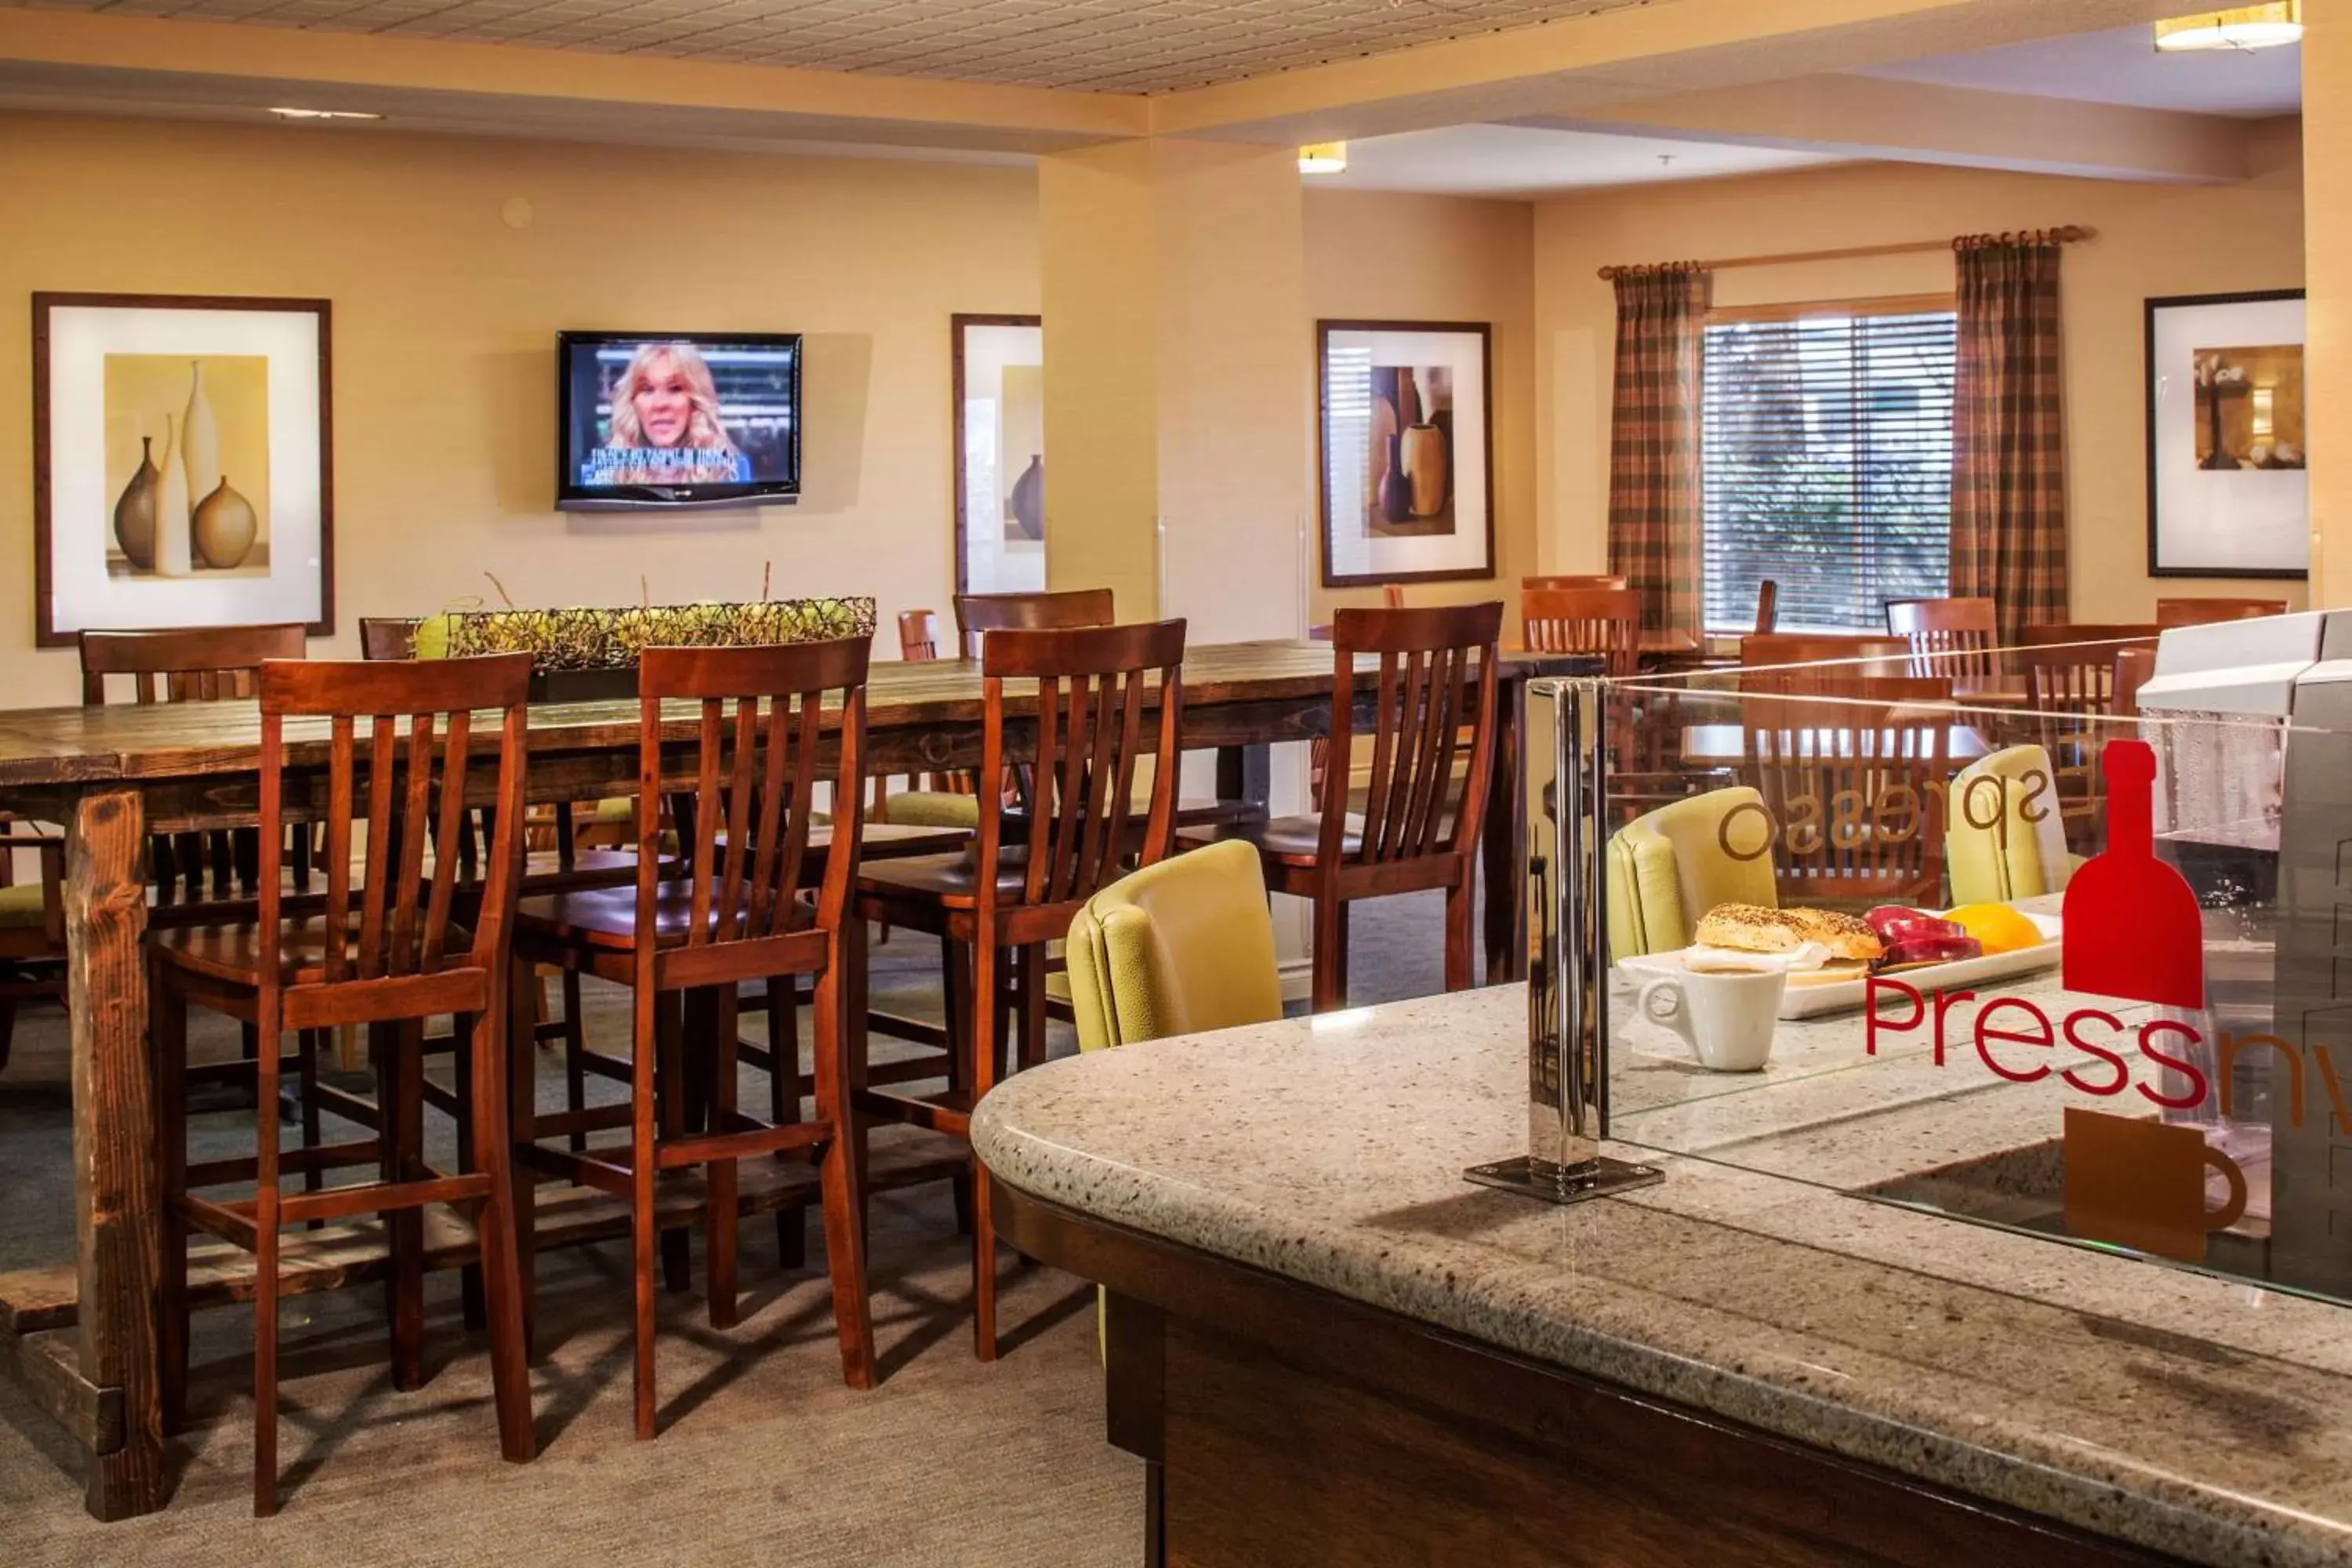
(2197, 1415)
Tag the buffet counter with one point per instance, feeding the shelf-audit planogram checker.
(1331, 1348)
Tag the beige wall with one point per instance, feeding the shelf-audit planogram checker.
(1373, 256)
(2327, 194)
(2150, 240)
(445, 320)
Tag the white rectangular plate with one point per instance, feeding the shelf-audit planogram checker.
(1815, 995)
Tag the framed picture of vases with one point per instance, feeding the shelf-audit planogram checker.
(1407, 451)
(1000, 453)
(183, 465)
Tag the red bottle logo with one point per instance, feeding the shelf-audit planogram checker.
(2132, 925)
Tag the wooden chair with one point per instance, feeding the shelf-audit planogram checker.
(2204, 612)
(1603, 621)
(2133, 667)
(756, 904)
(1005, 899)
(387, 955)
(1768, 607)
(204, 664)
(1393, 595)
(945, 799)
(2070, 692)
(977, 614)
(1951, 639)
(32, 926)
(1850, 774)
(1421, 820)
(1571, 580)
(388, 637)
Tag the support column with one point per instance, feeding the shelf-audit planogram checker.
(1179, 382)
(2328, 282)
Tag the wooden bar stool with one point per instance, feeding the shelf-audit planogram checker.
(745, 911)
(1420, 826)
(390, 963)
(1002, 901)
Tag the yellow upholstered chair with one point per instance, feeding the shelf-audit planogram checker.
(1666, 868)
(1179, 947)
(2003, 839)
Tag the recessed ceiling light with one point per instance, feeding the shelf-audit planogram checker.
(1323, 158)
(324, 114)
(2237, 28)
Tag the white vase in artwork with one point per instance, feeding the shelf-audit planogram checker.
(200, 437)
(172, 538)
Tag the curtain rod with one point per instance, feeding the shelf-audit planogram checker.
(2068, 235)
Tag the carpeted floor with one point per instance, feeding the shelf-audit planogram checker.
(764, 1456)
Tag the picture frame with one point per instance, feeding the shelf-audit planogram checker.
(1399, 404)
(232, 521)
(1000, 411)
(2228, 493)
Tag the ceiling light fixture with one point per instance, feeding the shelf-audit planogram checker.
(2239, 27)
(324, 114)
(1323, 158)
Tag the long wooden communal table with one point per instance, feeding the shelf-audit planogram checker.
(83, 1344)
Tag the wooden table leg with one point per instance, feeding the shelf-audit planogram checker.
(1499, 845)
(118, 1255)
(1245, 773)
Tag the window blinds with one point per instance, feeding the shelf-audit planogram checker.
(1827, 466)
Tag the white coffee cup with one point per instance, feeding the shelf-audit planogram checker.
(1726, 1016)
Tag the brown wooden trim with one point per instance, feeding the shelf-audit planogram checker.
(1323, 330)
(1863, 305)
(45, 629)
(956, 325)
(1634, 1445)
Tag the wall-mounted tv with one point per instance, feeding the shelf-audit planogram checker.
(673, 419)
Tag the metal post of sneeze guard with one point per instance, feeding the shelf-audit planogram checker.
(1568, 1027)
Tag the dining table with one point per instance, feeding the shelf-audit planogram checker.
(82, 1340)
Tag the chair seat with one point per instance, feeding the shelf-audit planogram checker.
(20, 905)
(231, 951)
(931, 808)
(607, 916)
(1292, 840)
(950, 879)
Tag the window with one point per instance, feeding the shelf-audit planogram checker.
(1827, 462)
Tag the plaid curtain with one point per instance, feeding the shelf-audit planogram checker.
(2008, 444)
(1653, 435)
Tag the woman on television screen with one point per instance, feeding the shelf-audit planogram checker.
(665, 427)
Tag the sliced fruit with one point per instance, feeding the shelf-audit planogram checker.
(1999, 928)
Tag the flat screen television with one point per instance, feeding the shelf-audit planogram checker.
(678, 419)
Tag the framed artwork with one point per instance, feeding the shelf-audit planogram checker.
(183, 470)
(1000, 453)
(2227, 494)
(1407, 451)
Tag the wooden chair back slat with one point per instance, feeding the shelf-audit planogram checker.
(2205, 612)
(414, 797)
(758, 742)
(1768, 606)
(980, 614)
(1422, 698)
(1603, 621)
(1093, 686)
(1953, 638)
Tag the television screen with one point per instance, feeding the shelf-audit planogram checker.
(678, 419)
